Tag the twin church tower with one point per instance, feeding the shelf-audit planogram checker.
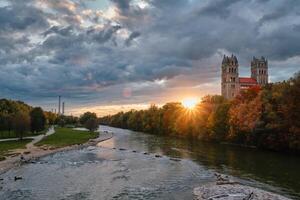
(232, 84)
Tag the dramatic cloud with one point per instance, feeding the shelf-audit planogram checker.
(114, 52)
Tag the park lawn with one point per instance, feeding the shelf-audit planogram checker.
(11, 134)
(7, 146)
(66, 136)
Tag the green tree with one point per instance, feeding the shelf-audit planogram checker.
(91, 124)
(218, 122)
(86, 116)
(38, 119)
(21, 124)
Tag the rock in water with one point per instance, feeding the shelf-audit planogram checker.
(233, 192)
(18, 178)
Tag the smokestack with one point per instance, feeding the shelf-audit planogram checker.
(59, 104)
(63, 108)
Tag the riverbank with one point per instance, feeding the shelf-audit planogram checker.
(234, 191)
(67, 136)
(7, 146)
(34, 152)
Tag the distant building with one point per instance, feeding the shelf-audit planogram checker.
(232, 84)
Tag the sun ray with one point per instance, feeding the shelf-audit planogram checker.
(190, 103)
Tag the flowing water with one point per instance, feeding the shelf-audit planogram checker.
(128, 167)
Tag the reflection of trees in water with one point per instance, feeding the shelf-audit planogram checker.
(268, 167)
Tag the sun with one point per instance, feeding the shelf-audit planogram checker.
(190, 103)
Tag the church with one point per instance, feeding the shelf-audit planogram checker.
(232, 84)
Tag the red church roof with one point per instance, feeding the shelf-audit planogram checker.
(247, 80)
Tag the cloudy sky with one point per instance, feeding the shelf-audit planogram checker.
(107, 55)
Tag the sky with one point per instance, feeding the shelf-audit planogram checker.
(112, 55)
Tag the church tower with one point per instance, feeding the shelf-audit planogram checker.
(259, 70)
(230, 77)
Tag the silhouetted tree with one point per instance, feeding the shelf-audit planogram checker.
(21, 124)
(38, 119)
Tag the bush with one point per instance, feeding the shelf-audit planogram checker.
(91, 124)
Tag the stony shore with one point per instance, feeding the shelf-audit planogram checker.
(33, 152)
(234, 191)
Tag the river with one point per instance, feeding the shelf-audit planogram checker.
(125, 167)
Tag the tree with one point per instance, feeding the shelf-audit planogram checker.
(218, 122)
(267, 117)
(89, 120)
(61, 121)
(21, 122)
(91, 124)
(38, 119)
(86, 116)
(51, 117)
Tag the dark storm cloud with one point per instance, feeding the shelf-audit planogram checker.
(286, 9)
(219, 8)
(49, 47)
(104, 35)
(132, 36)
(123, 5)
(20, 16)
(64, 31)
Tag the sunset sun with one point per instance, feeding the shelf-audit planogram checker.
(189, 103)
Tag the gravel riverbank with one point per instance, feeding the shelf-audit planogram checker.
(32, 152)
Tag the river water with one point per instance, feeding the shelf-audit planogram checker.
(126, 167)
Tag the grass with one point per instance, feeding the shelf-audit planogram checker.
(12, 134)
(66, 136)
(7, 146)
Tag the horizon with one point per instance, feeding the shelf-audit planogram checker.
(112, 55)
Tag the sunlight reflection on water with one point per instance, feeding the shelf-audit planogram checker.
(119, 169)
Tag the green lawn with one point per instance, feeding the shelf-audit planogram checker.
(11, 134)
(67, 136)
(5, 147)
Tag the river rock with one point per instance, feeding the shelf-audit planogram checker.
(233, 192)
(18, 178)
(175, 159)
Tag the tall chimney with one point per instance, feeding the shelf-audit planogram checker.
(63, 108)
(59, 97)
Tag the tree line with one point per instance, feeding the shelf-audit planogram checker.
(18, 119)
(88, 120)
(267, 117)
